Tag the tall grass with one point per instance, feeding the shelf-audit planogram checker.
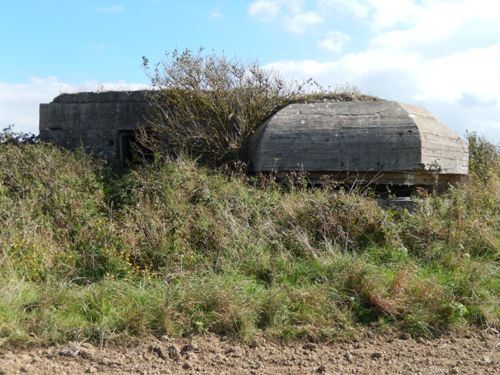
(175, 248)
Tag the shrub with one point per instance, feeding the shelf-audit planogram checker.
(8, 135)
(54, 214)
(175, 247)
(208, 105)
(484, 158)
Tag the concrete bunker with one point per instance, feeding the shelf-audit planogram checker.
(380, 142)
(104, 124)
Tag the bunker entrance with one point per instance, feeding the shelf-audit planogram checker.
(130, 150)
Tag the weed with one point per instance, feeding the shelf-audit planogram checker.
(175, 247)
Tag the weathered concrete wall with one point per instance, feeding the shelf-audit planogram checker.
(396, 143)
(92, 120)
(391, 142)
(441, 147)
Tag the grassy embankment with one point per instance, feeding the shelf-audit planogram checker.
(174, 248)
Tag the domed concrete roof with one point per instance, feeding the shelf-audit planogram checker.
(383, 137)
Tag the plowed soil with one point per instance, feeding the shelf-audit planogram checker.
(470, 353)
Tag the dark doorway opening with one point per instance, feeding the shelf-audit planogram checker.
(131, 150)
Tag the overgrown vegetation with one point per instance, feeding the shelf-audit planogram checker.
(173, 248)
(208, 105)
(180, 247)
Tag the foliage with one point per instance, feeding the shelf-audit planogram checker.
(8, 135)
(175, 248)
(208, 105)
(484, 157)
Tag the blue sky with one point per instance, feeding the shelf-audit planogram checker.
(441, 54)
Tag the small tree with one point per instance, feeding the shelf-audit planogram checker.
(208, 105)
(484, 157)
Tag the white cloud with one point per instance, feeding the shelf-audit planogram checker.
(429, 22)
(460, 87)
(215, 14)
(355, 7)
(291, 14)
(19, 102)
(294, 6)
(264, 9)
(334, 41)
(397, 23)
(301, 22)
(111, 9)
(475, 72)
(441, 54)
(389, 13)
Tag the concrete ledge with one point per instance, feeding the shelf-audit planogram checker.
(102, 97)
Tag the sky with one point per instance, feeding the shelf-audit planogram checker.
(443, 55)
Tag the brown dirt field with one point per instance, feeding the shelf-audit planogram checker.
(466, 353)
